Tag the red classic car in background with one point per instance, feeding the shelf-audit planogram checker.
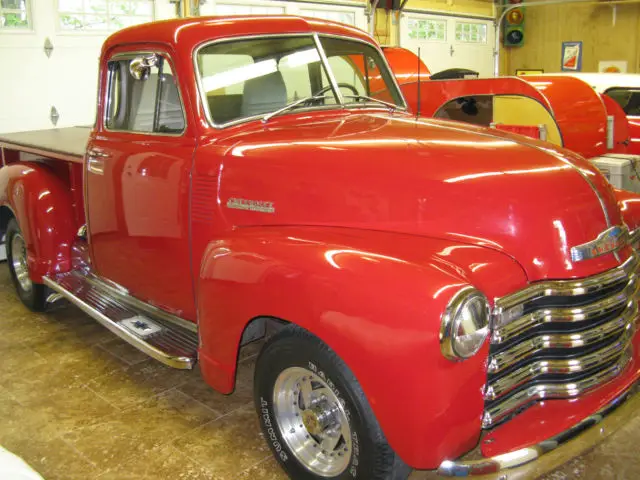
(588, 114)
(425, 287)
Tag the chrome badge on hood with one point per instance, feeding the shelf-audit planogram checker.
(608, 241)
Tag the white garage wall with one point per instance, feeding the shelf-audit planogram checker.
(31, 83)
(449, 41)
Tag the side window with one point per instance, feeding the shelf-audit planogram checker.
(628, 99)
(348, 76)
(142, 96)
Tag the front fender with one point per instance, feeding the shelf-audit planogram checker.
(376, 299)
(42, 205)
(629, 204)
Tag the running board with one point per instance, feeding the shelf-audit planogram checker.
(171, 340)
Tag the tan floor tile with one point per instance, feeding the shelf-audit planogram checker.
(54, 459)
(59, 372)
(116, 438)
(226, 446)
(268, 469)
(196, 387)
(137, 383)
(159, 463)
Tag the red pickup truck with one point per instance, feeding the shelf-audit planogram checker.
(424, 287)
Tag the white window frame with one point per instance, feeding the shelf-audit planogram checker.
(294, 8)
(102, 32)
(27, 28)
(427, 19)
(470, 22)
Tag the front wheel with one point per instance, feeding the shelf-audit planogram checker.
(33, 295)
(315, 416)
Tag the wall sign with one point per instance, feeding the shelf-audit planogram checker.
(571, 56)
(612, 66)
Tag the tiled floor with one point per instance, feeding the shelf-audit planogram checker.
(77, 403)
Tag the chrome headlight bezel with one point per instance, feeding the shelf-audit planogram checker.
(453, 316)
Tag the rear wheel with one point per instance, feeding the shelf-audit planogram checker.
(33, 295)
(315, 416)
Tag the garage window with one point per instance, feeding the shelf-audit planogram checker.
(335, 15)
(427, 29)
(14, 14)
(471, 32)
(103, 15)
(230, 9)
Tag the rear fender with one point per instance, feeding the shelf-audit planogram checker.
(376, 299)
(42, 206)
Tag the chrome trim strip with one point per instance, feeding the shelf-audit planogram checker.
(126, 335)
(609, 241)
(569, 287)
(112, 289)
(521, 351)
(523, 456)
(328, 70)
(634, 237)
(493, 415)
(506, 384)
(566, 315)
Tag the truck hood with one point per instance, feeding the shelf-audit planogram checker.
(429, 178)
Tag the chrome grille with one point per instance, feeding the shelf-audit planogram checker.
(560, 339)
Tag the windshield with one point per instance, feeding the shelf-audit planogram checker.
(254, 77)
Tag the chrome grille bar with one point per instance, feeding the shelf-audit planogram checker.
(560, 339)
(578, 314)
(521, 351)
(553, 391)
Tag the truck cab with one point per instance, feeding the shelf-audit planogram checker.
(424, 288)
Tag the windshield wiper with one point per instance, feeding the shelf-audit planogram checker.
(293, 105)
(392, 106)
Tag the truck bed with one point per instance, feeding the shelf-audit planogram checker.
(58, 143)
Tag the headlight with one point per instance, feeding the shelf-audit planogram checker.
(465, 324)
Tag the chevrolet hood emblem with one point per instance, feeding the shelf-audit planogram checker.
(608, 241)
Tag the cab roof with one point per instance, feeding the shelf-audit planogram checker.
(190, 32)
(601, 82)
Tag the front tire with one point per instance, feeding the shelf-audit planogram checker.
(33, 295)
(314, 415)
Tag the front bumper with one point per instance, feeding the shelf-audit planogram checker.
(532, 461)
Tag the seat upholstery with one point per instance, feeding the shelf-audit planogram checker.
(264, 94)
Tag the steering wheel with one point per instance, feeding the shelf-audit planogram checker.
(340, 85)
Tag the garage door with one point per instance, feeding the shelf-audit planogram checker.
(350, 14)
(33, 83)
(449, 42)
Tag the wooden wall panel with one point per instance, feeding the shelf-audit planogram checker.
(547, 27)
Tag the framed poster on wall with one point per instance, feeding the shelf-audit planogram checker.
(571, 56)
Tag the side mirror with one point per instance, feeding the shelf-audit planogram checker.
(140, 67)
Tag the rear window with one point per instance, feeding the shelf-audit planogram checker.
(627, 98)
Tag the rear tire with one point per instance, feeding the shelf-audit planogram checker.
(314, 415)
(33, 295)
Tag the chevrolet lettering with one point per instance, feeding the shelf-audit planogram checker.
(608, 241)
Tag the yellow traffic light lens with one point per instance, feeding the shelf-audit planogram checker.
(515, 17)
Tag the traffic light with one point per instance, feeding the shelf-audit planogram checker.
(513, 31)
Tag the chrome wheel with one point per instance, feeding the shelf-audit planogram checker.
(312, 421)
(19, 262)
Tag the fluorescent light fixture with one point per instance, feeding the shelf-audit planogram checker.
(303, 57)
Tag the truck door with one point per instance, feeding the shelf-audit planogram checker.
(138, 171)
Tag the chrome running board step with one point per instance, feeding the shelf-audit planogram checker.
(169, 339)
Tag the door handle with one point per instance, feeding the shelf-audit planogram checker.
(94, 152)
(95, 165)
(95, 161)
